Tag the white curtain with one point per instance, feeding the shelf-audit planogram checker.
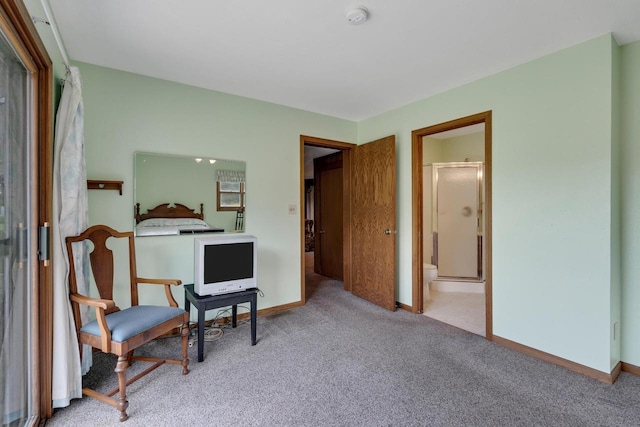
(70, 217)
(230, 176)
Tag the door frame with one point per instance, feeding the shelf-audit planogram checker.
(417, 209)
(346, 209)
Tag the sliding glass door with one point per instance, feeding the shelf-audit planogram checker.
(17, 405)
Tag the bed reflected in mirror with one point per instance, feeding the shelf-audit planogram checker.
(187, 195)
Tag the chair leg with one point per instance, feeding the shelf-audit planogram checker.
(121, 370)
(130, 357)
(185, 345)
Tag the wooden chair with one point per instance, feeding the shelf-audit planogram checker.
(240, 219)
(117, 331)
(309, 237)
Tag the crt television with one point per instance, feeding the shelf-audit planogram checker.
(225, 263)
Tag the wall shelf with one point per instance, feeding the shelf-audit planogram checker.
(93, 184)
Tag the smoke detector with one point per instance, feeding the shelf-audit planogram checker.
(357, 15)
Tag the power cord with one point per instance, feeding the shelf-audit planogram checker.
(215, 331)
(228, 313)
(212, 333)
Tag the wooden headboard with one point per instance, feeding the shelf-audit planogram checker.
(165, 211)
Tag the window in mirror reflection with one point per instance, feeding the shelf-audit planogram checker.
(230, 192)
(230, 196)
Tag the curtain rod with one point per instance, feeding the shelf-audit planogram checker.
(54, 28)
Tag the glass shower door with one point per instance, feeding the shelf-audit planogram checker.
(457, 219)
(16, 351)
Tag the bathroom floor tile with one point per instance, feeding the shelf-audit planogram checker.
(463, 310)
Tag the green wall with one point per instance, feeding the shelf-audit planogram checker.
(455, 149)
(615, 257)
(126, 113)
(630, 148)
(461, 148)
(552, 203)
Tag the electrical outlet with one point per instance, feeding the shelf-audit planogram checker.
(293, 209)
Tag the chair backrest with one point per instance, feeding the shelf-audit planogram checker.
(240, 219)
(102, 263)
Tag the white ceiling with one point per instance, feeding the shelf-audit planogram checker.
(304, 54)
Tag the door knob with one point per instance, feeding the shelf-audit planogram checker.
(321, 232)
(389, 232)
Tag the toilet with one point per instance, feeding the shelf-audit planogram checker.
(429, 274)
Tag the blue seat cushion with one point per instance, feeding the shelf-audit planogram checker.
(133, 321)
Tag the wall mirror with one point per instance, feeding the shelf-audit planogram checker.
(187, 194)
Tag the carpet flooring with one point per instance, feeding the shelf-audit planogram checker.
(341, 361)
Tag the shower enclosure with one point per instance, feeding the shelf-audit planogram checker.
(456, 220)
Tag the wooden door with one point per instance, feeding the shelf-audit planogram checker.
(328, 213)
(373, 222)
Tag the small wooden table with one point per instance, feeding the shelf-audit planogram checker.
(207, 302)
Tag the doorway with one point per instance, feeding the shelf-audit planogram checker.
(322, 169)
(326, 224)
(368, 218)
(451, 175)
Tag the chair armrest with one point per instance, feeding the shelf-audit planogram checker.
(101, 305)
(173, 282)
(166, 282)
(93, 302)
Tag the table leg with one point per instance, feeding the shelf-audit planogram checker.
(254, 303)
(187, 303)
(201, 312)
(234, 315)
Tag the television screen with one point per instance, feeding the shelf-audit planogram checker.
(231, 261)
(225, 263)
